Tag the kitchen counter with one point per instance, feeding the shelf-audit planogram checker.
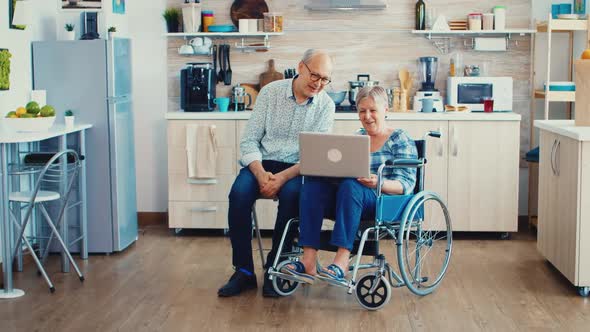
(409, 116)
(566, 128)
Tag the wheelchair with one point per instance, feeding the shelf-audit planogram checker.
(418, 224)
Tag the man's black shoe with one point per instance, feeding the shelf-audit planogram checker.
(238, 282)
(267, 289)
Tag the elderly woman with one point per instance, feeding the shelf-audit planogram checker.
(350, 200)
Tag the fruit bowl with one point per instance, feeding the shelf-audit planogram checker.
(29, 124)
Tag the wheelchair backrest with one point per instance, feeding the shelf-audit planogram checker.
(421, 149)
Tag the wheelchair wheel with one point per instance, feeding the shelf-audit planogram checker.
(424, 246)
(377, 299)
(282, 286)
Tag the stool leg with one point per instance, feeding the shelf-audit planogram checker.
(61, 242)
(19, 253)
(257, 229)
(37, 262)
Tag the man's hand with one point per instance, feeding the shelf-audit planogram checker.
(272, 187)
(370, 182)
(263, 179)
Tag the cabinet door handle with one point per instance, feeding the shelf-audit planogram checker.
(557, 159)
(201, 181)
(440, 145)
(455, 143)
(553, 157)
(205, 209)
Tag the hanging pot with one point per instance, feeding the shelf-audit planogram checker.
(355, 86)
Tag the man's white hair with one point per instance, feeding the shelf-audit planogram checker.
(310, 53)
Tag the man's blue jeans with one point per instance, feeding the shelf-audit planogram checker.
(244, 192)
(346, 201)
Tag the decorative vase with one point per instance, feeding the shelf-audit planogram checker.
(172, 26)
(69, 120)
(70, 35)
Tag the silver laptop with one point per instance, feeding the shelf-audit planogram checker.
(345, 156)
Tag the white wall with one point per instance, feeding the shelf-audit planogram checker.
(146, 28)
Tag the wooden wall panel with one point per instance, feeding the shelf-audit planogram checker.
(378, 43)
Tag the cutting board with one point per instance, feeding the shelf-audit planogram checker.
(244, 9)
(270, 75)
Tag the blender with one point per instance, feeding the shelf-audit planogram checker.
(428, 99)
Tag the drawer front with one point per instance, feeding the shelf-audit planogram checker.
(225, 132)
(180, 188)
(197, 214)
(225, 165)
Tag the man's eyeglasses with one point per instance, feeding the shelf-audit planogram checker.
(317, 77)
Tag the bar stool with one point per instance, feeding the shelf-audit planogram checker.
(51, 174)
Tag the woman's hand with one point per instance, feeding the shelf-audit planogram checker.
(370, 182)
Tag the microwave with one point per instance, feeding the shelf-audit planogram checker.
(470, 91)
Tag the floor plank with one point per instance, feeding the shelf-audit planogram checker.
(169, 283)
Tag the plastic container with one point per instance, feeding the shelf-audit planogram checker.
(488, 21)
(191, 17)
(273, 22)
(474, 21)
(208, 19)
(500, 18)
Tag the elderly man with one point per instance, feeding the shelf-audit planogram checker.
(270, 155)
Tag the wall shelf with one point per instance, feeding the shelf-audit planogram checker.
(562, 25)
(442, 39)
(567, 96)
(221, 34)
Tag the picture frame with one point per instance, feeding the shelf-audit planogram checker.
(118, 6)
(11, 6)
(80, 5)
(580, 7)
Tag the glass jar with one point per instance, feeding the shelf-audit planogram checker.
(474, 20)
(488, 21)
(273, 22)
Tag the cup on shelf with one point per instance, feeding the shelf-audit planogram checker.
(243, 25)
(222, 103)
(252, 25)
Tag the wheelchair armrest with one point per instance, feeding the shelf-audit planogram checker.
(407, 163)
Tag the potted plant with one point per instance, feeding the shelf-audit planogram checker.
(112, 31)
(172, 17)
(4, 69)
(70, 33)
(69, 119)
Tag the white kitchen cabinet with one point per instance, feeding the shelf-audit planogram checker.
(564, 205)
(474, 167)
(483, 175)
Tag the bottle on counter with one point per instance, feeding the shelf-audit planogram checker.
(500, 18)
(420, 15)
(452, 68)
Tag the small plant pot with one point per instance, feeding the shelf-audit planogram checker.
(172, 26)
(112, 35)
(69, 122)
(70, 35)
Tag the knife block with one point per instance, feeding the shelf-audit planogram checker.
(582, 69)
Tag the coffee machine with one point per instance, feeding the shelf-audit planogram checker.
(197, 87)
(428, 99)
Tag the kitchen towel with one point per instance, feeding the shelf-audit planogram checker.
(201, 151)
(489, 44)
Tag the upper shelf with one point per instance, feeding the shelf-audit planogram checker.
(567, 96)
(222, 34)
(430, 33)
(563, 25)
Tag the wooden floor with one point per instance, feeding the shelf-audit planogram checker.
(169, 283)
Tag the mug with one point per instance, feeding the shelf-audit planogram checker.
(222, 103)
(185, 50)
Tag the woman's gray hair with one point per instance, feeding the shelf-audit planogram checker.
(310, 53)
(376, 92)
